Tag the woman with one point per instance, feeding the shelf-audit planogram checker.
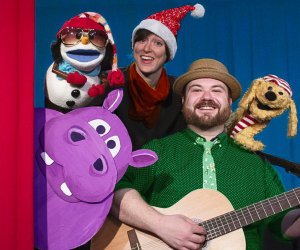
(149, 108)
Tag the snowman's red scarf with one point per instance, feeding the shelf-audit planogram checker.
(246, 121)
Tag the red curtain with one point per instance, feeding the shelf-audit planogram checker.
(16, 126)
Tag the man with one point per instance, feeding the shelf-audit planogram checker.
(201, 156)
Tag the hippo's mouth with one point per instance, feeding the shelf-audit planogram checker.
(56, 177)
(82, 55)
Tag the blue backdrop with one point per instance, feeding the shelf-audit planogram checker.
(252, 38)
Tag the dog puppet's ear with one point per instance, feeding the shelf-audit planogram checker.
(293, 120)
(249, 95)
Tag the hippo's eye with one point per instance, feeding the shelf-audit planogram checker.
(114, 145)
(100, 126)
(280, 93)
(270, 88)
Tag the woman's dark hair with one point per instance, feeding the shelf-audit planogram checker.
(141, 34)
(108, 58)
(55, 50)
(105, 64)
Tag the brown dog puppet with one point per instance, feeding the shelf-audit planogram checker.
(266, 98)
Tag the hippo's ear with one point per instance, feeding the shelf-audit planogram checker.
(50, 113)
(113, 99)
(142, 158)
(43, 115)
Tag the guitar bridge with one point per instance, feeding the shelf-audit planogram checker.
(133, 240)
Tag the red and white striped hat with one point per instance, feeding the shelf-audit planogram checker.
(279, 82)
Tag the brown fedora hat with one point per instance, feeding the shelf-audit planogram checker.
(208, 68)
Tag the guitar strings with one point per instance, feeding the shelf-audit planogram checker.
(237, 220)
(221, 225)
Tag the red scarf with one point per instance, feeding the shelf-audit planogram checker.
(246, 121)
(146, 100)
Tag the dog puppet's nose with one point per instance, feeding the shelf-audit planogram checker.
(271, 96)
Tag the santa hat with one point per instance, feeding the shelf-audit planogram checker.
(279, 82)
(93, 20)
(166, 24)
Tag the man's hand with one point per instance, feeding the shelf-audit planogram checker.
(290, 225)
(180, 232)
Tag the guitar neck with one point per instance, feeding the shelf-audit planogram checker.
(237, 219)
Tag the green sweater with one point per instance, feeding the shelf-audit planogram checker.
(243, 177)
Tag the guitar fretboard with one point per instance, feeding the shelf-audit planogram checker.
(237, 219)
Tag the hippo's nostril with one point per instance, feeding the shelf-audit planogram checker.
(98, 165)
(271, 96)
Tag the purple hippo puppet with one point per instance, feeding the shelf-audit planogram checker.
(79, 158)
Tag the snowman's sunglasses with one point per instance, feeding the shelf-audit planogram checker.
(72, 36)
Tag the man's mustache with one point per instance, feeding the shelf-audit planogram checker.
(207, 103)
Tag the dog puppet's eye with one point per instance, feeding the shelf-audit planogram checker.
(270, 88)
(280, 93)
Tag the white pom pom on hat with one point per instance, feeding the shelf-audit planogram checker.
(166, 24)
(198, 11)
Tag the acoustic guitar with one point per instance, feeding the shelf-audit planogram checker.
(222, 223)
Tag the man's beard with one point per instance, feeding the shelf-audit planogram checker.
(205, 121)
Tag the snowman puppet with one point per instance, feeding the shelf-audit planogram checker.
(83, 44)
